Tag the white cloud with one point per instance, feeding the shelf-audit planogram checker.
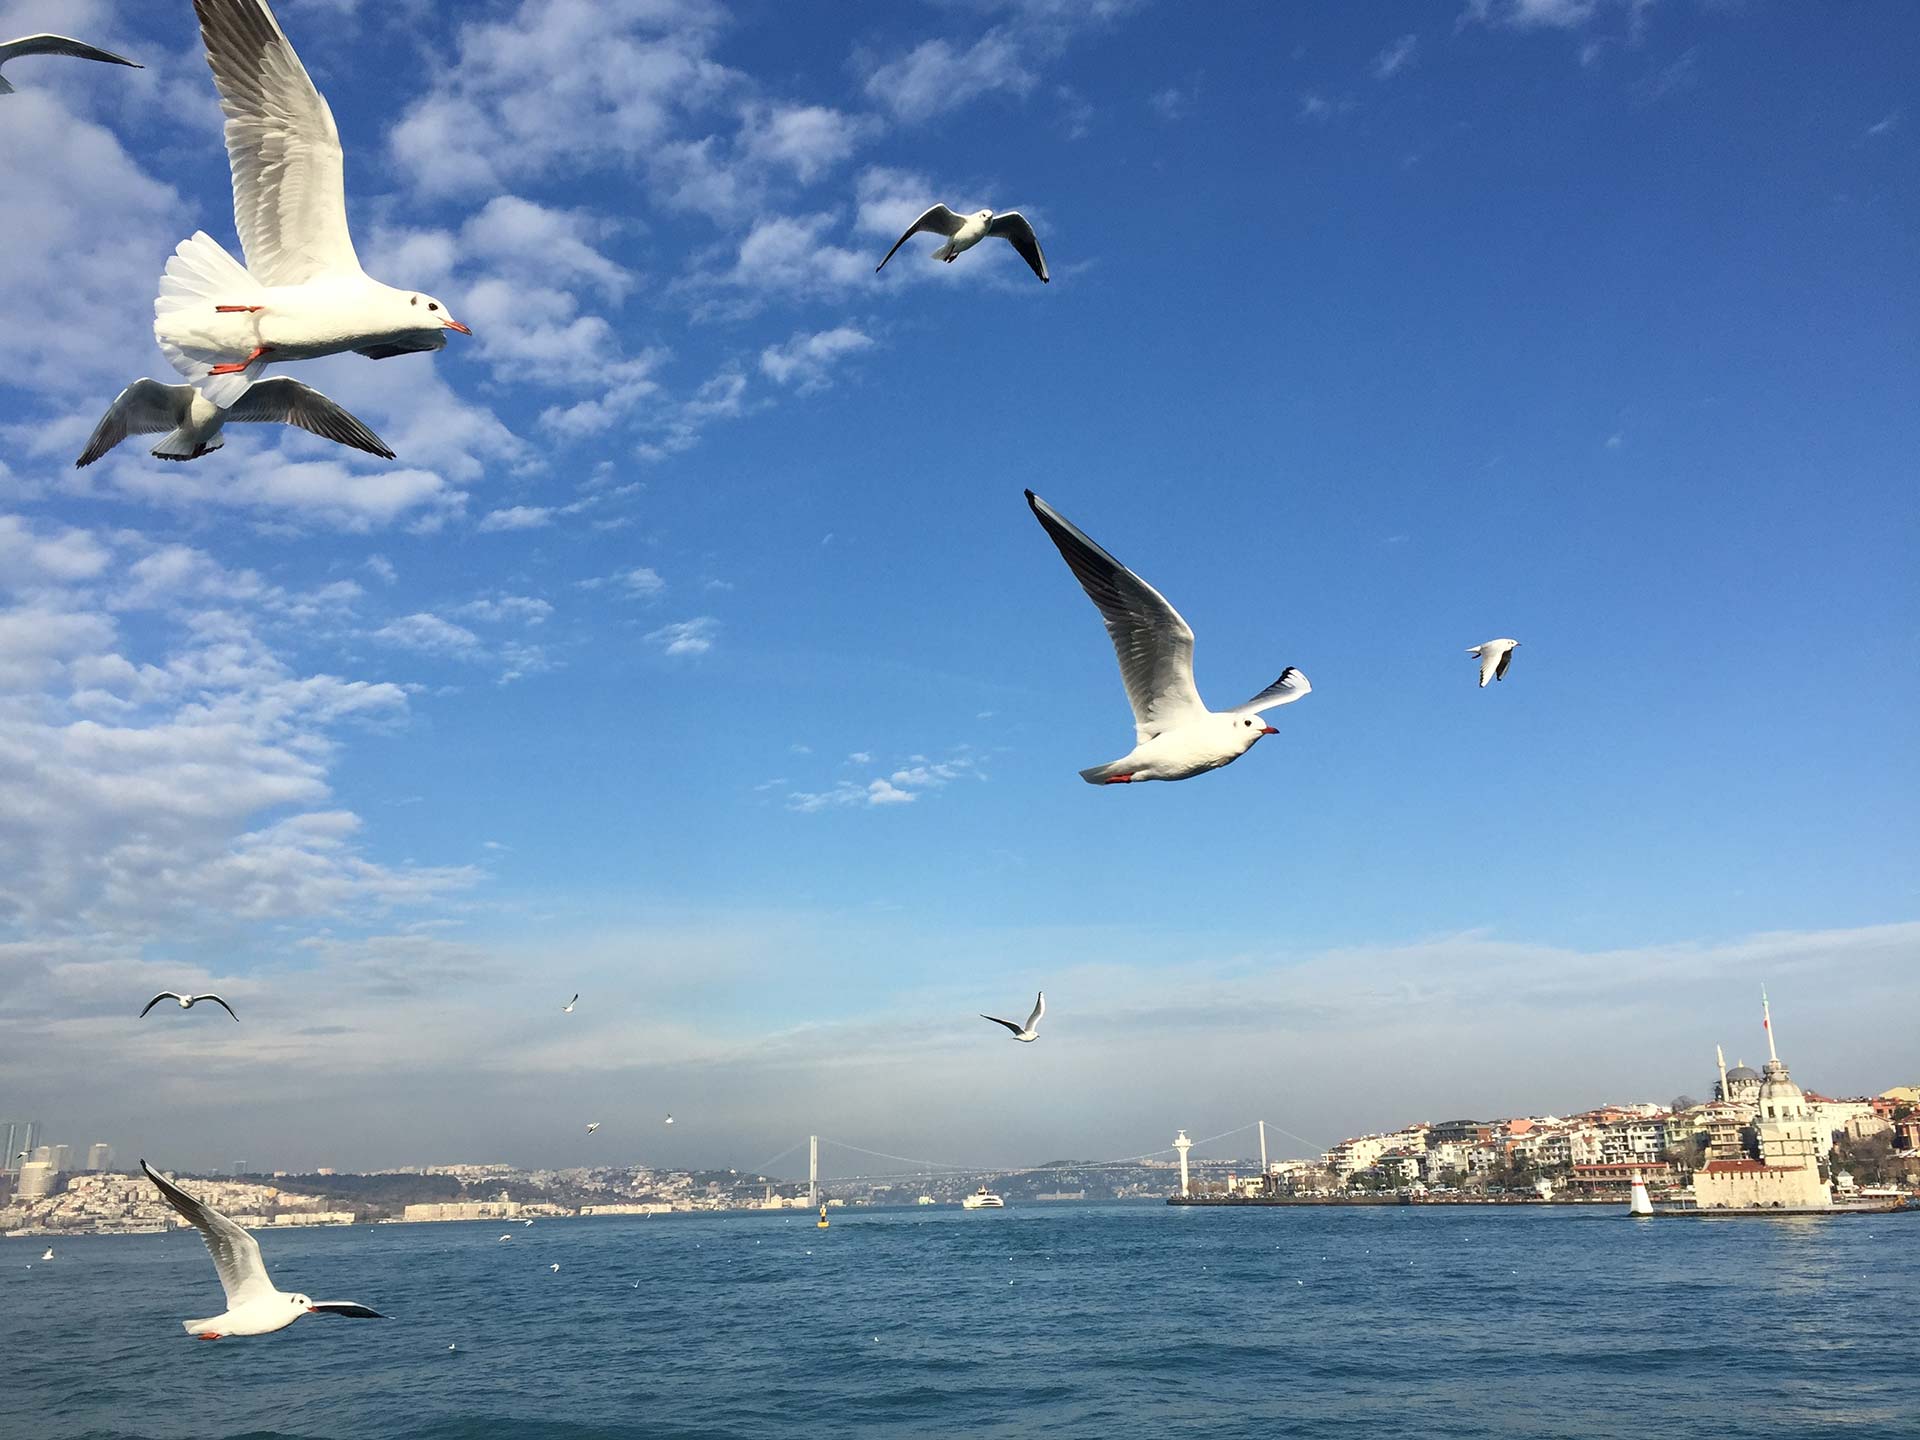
(552, 242)
(1170, 103)
(1395, 58)
(806, 360)
(383, 567)
(1885, 124)
(937, 76)
(1530, 14)
(516, 517)
(496, 609)
(429, 634)
(686, 637)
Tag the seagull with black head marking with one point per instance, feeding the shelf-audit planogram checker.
(254, 1306)
(963, 232)
(302, 293)
(56, 45)
(1028, 1033)
(1175, 735)
(187, 1002)
(192, 423)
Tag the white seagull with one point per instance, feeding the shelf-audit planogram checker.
(963, 232)
(187, 1002)
(1495, 656)
(526, 1222)
(49, 1254)
(1175, 735)
(56, 45)
(669, 1119)
(254, 1307)
(593, 1126)
(1030, 1032)
(567, 1009)
(503, 1239)
(555, 1267)
(193, 422)
(302, 292)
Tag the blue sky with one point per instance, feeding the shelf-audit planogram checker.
(697, 651)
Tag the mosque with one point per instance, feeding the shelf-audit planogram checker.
(1764, 1141)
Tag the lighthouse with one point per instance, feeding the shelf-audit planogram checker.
(1183, 1145)
(1641, 1204)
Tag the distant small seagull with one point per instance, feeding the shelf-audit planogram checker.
(1175, 735)
(187, 1002)
(503, 1239)
(526, 1222)
(555, 1267)
(1495, 656)
(49, 1254)
(669, 1119)
(254, 1307)
(963, 232)
(567, 1009)
(192, 422)
(56, 45)
(1030, 1032)
(593, 1126)
(453, 1347)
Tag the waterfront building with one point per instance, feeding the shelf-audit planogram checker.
(36, 1180)
(21, 1135)
(1786, 1173)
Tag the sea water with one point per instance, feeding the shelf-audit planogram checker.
(1055, 1320)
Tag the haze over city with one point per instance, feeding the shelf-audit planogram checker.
(698, 654)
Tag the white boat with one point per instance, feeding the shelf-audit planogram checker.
(983, 1199)
(924, 1200)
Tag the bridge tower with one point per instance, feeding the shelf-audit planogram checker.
(1183, 1145)
(813, 1171)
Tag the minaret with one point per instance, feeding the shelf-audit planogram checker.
(1183, 1145)
(1721, 1057)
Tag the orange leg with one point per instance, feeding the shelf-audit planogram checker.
(209, 1335)
(238, 309)
(259, 351)
(1119, 780)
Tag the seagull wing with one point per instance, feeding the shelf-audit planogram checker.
(289, 402)
(1154, 644)
(60, 45)
(216, 1000)
(998, 1021)
(289, 190)
(1506, 659)
(1489, 662)
(345, 1307)
(1289, 687)
(1013, 226)
(938, 219)
(163, 995)
(1039, 1009)
(236, 1254)
(146, 407)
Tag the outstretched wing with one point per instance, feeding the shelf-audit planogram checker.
(348, 1308)
(998, 1021)
(1489, 662)
(387, 350)
(291, 403)
(1289, 687)
(1039, 1009)
(236, 1254)
(146, 407)
(1506, 659)
(289, 187)
(163, 995)
(1154, 645)
(1013, 226)
(216, 1000)
(938, 219)
(60, 45)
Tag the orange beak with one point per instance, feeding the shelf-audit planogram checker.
(1269, 730)
(456, 325)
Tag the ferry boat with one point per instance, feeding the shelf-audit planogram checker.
(983, 1199)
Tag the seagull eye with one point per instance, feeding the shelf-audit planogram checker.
(432, 306)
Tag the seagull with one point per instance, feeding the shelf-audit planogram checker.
(49, 1254)
(567, 1009)
(1175, 735)
(56, 45)
(669, 1119)
(146, 407)
(1495, 656)
(963, 232)
(555, 1267)
(254, 1307)
(526, 1222)
(503, 1239)
(187, 1002)
(1030, 1032)
(302, 292)
(593, 1126)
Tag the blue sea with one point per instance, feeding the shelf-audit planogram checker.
(1056, 1320)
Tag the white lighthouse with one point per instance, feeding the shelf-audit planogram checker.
(1183, 1145)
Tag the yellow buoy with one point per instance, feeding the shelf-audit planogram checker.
(823, 1219)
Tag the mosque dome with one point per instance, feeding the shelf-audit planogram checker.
(1743, 1075)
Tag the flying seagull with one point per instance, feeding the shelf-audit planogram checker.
(1495, 656)
(1030, 1032)
(1175, 735)
(187, 1002)
(192, 422)
(254, 1307)
(567, 1009)
(526, 1222)
(963, 232)
(503, 1239)
(593, 1126)
(49, 1254)
(555, 1267)
(302, 292)
(56, 45)
(669, 1119)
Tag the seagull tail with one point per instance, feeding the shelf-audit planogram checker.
(181, 446)
(1100, 774)
(200, 274)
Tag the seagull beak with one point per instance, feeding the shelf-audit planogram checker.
(313, 1309)
(1268, 730)
(456, 325)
